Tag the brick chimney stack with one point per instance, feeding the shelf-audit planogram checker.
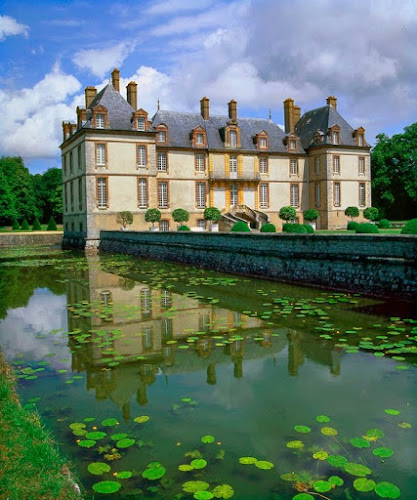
(116, 79)
(332, 101)
(289, 115)
(132, 94)
(296, 114)
(90, 93)
(233, 111)
(205, 108)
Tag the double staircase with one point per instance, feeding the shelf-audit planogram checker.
(242, 213)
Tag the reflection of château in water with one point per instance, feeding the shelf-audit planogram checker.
(128, 320)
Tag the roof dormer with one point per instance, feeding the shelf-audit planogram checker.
(359, 135)
(262, 140)
(198, 137)
(291, 141)
(334, 134)
(161, 134)
(140, 120)
(99, 117)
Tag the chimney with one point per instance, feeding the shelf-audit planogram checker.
(296, 114)
(205, 108)
(116, 79)
(132, 94)
(332, 101)
(81, 116)
(66, 130)
(233, 111)
(289, 115)
(90, 93)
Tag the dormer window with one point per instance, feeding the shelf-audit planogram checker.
(162, 136)
(334, 133)
(261, 140)
(140, 124)
(99, 120)
(233, 138)
(140, 120)
(335, 137)
(293, 144)
(198, 137)
(359, 135)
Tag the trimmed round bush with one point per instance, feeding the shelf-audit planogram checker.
(294, 228)
(183, 228)
(309, 229)
(268, 228)
(36, 226)
(240, 227)
(352, 225)
(25, 225)
(384, 224)
(51, 225)
(410, 227)
(367, 228)
(15, 225)
(311, 214)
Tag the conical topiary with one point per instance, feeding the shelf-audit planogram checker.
(51, 225)
(15, 225)
(25, 225)
(36, 225)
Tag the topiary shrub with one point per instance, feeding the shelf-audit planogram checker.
(294, 228)
(352, 225)
(25, 225)
(124, 218)
(240, 227)
(153, 215)
(352, 212)
(384, 224)
(309, 229)
(311, 214)
(410, 227)
(15, 225)
(180, 215)
(183, 228)
(268, 228)
(51, 225)
(287, 213)
(367, 227)
(36, 226)
(371, 213)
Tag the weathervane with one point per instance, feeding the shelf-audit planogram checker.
(158, 104)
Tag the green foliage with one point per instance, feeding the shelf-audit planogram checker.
(371, 213)
(25, 225)
(309, 229)
(352, 225)
(410, 227)
(268, 228)
(384, 224)
(183, 228)
(51, 225)
(294, 228)
(7, 201)
(352, 212)
(240, 227)
(310, 214)
(16, 225)
(212, 214)
(287, 213)
(48, 192)
(153, 215)
(367, 228)
(180, 215)
(124, 218)
(36, 225)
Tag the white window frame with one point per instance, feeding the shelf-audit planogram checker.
(294, 167)
(336, 194)
(142, 192)
(200, 163)
(294, 195)
(162, 161)
(263, 164)
(361, 165)
(233, 164)
(362, 194)
(233, 138)
(162, 194)
(101, 155)
(142, 156)
(162, 136)
(164, 225)
(201, 223)
(234, 194)
(99, 120)
(102, 194)
(262, 142)
(335, 137)
(336, 165)
(141, 124)
(263, 195)
(201, 195)
(317, 166)
(199, 138)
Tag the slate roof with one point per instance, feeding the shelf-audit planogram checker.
(321, 119)
(180, 126)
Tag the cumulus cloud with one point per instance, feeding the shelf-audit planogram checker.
(10, 27)
(100, 61)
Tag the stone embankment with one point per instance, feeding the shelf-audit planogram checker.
(31, 238)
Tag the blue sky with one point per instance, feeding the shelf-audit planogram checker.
(258, 52)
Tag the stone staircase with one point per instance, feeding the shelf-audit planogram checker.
(254, 218)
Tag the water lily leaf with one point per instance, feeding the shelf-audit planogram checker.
(336, 481)
(98, 468)
(364, 484)
(141, 419)
(95, 435)
(329, 431)
(194, 486)
(390, 411)
(109, 422)
(322, 486)
(77, 425)
(302, 428)
(86, 443)
(198, 463)
(203, 495)
(303, 496)
(247, 460)
(385, 489)
(264, 465)
(154, 471)
(337, 460)
(207, 439)
(89, 419)
(118, 437)
(357, 469)
(383, 452)
(185, 467)
(79, 432)
(405, 425)
(223, 491)
(323, 419)
(124, 474)
(125, 443)
(295, 444)
(194, 454)
(107, 487)
(374, 434)
(320, 455)
(360, 443)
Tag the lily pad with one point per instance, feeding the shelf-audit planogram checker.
(328, 431)
(86, 443)
(337, 460)
(391, 411)
(323, 419)
(125, 443)
(357, 469)
(77, 425)
(303, 429)
(207, 439)
(185, 467)
(198, 463)
(247, 460)
(107, 487)
(303, 496)
(98, 468)
(405, 425)
(264, 465)
(154, 471)
(109, 422)
(360, 443)
(194, 486)
(385, 489)
(383, 452)
(141, 419)
(223, 491)
(118, 437)
(203, 495)
(322, 486)
(295, 444)
(96, 435)
(336, 481)
(290, 476)
(364, 484)
(124, 474)
(320, 455)
(374, 434)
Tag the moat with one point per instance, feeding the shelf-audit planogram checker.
(162, 381)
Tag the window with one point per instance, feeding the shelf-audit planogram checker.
(162, 194)
(102, 192)
(263, 196)
(80, 194)
(200, 163)
(99, 120)
(165, 299)
(361, 166)
(263, 165)
(201, 194)
(199, 139)
(201, 223)
(294, 167)
(360, 140)
(141, 124)
(294, 195)
(71, 162)
(293, 144)
(142, 193)
(161, 136)
(233, 138)
(147, 339)
(142, 156)
(101, 155)
(336, 165)
(336, 194)
(317, 200)
(335, 137)
(72, 195)
(233, 195)
(233, 164)
(262, 142)
(105, 298)
(145, 303)
(317, 166)
(162, 162)
(362, 194)
(166, 327)
(80, 160)
(164, 225)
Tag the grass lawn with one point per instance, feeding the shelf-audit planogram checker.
(8, 229)
(345, 231)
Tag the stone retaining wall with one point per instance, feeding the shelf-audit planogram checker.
(32, 238)
(378, 265)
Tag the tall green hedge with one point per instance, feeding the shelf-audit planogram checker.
(51, 225)
(36, 226)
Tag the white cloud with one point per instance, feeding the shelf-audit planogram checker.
(100, 61)
(10, 27)
(169, 7)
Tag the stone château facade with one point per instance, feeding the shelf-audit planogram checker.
(115, 158)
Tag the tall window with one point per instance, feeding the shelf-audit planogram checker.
(293, 144)
(200, 163)
(201, 194)
(142, 156)
(166, 328)
(140, 123)
(161, 136)
(162, 194)
(336, 194)
(101, 155)
(72, 195)
(317, 166)
(233, 195)
(80, 194)
(102, 192)
(71, 162)
(335, 137)
(361, 166)
(147, 338)
(360, 140)
(263, 165)
(199, 139)
(233, 163)
(336, 165)
(164, 225)
(99, 121)
(201, 223)
(294, 167)
(142, 193)
(162, 162)
(317, 193)
(362, 194)
(294, 199)
(233, 138)
(262, 142)
(166, 299)
(263, 196)
(80, 159)
(145, 303)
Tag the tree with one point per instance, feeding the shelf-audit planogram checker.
(394, 174)
(36, 225)
(287, 214)
(352, 212)
(152, 215)
(124, 218)
(51, 225)
(48, 191)
(212, 214)
(7, 201)
(180, 215)
(310, 215)
(371, 213)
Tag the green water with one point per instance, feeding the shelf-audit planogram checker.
(200, 353)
